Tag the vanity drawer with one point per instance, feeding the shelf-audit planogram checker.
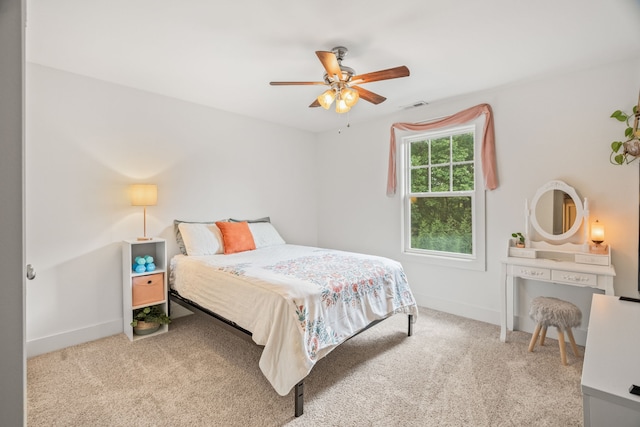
(592, 259)
(522, 252)
(532, 272)
(148, 289)
(573, 278)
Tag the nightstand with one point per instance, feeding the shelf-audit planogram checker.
(145, 288)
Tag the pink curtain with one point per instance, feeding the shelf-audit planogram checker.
(488, 151)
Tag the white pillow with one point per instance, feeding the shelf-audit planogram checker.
(265, 234)
(201, 239)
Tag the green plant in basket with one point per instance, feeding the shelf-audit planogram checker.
(151, 314)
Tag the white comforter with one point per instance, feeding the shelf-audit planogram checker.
(299, 302)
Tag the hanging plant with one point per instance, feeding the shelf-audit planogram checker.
(629, 150)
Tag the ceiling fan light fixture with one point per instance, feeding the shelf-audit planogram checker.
(350, 96)
(343, 82)
(327, 98)
(341, 105)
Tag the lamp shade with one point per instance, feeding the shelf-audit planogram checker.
(341, 106)
(143, 194)
(597, 232)
(326, 99)
(350, 96)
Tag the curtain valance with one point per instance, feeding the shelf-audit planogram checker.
(488, 150)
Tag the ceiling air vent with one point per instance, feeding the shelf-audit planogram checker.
(415, 105)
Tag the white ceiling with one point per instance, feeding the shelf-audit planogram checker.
(224, 53)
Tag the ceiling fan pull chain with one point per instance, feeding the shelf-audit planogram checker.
(348, 120)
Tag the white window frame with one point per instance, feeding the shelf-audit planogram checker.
(476, 260)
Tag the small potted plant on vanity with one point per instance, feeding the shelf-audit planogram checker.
(518, 239)
(147, 320)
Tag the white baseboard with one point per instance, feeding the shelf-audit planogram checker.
(66, 339)
(464, 310)
(51, 343)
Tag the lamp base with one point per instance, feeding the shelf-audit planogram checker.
(141, 239)
(599, 248)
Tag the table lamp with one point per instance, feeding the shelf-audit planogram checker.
(597, 235)
(143, 195)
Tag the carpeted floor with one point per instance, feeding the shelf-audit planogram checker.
(452, 372)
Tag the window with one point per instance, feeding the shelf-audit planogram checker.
(443, 197)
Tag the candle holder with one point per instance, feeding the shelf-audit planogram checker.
(597, 237)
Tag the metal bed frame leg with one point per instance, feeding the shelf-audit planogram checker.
(298, 395)
(298, 391)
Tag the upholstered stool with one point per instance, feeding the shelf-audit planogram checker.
(548, 311)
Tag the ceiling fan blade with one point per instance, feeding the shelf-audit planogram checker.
(330, 63)
(314, 104)
(295, 83)
(373, 98)
(391, 73)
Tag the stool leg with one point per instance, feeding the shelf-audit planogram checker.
(573, 343)
(543, 335)
(534, 337)
(563, 351)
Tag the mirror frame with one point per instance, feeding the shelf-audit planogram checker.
(557, 185)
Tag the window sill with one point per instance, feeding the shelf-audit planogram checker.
(478, 264)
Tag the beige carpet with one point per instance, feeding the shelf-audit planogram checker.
(452, 372)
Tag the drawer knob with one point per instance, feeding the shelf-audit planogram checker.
(149, 282)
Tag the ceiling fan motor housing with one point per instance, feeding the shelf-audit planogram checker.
(340, 52)
(347, 72)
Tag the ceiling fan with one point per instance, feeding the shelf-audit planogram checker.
(343, 81)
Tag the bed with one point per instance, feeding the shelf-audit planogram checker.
(298, 302)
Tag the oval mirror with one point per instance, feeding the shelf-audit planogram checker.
(556, 211)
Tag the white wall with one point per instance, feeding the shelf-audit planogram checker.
(88, 139)
(553, 128)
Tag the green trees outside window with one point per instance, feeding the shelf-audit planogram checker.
(442, 224)
(440, 195)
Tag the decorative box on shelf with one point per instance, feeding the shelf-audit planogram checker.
(595, 256)
(147, 289)
(521, 252)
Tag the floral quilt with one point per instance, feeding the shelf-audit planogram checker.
(300, 302)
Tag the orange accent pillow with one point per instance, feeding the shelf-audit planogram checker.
(236, 236)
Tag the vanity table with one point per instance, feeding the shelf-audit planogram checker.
(556, 215)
